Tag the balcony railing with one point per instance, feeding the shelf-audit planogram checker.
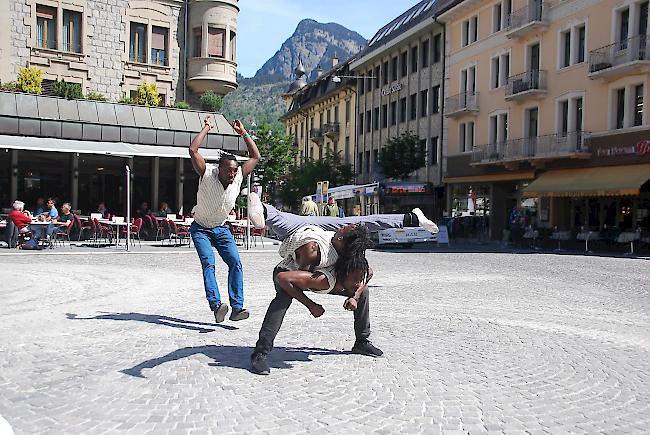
(316, 134)
(534, 13)
(528, 82)
(465, 102)
(530, 148)
(618, 54)
(331, 129)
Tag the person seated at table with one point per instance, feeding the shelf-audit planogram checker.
(22, 219)
(101, 208)
(40, 206)
(66, 217)
(144, 210)
(51, 215)
(164, 210)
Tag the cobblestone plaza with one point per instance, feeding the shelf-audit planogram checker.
(473, 342)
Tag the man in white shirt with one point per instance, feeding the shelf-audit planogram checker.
(342, 269)
(219, 187)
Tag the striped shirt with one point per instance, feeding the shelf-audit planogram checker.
(213, 202)
(328, 254)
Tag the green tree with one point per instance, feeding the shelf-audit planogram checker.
(278, 155)
(401, 156)
(301, 180)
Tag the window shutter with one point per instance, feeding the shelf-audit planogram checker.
(45, 12)
(215, 42)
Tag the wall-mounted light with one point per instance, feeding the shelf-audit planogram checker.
(100, 168)
(182, 178)
(75, 173)
(14, 171)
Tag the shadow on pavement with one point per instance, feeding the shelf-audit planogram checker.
(156, 320)
(237, 357)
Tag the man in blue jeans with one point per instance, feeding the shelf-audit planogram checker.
(219, 187)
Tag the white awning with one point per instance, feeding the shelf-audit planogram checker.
(119, 149)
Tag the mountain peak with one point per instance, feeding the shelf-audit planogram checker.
(316, 44)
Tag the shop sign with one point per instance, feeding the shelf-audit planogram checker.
(640, 149)
(401, 189)
(394, 88)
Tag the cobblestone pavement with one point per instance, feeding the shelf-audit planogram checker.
(474, 343)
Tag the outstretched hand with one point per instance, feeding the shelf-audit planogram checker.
(239, 127)
(209, 122)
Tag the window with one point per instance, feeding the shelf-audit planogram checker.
(497, 11)
(425, 54)
(564, 117)
(437, 48)
(468, 80)
(162, 100)
(385, 72)
(620, 108)
(638, 105)
(137, 44)
(436, 99)
(377, 77)
(216, 39)
(360, 163)
(393, 113)
(402, 110)
(566, 49)
(198, 42)
(159, 46)
(368, 162)
(361, 122)
(233, 45)
(433, 151)
(394, 68)
(466, 136)
(414, 106)
(375, 119)
(623, 27)
(329, 115)
(474, 29)
(347, 149)
(46, 27)
(368, 121)
(580, 55)
(532, 126)
(72, 31)
(414, 60)
(498, 128)
(500, 70)
(369, 81)
(572, 49)
(404, 63)
(384, 116)
(347, 111)
(464, 38)
(494, 78)
(578, 107)
(424, 102)
(362, 84)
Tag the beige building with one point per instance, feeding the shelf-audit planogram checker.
(320, 114)
(111, 46)
(536, 89)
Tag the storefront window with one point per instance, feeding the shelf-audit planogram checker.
(643, 213)
(470, 199)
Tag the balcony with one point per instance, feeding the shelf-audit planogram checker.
(554, 146)
(331, 130)
(458, 105)
(619, 59)
(530, 19)
(317, 135)
(528, 84)
(212, 74)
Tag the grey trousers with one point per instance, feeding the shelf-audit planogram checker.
(284, 224)
(281, 303)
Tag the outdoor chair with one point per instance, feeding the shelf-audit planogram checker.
(87, 229)
(135, 231)
(63, 233)
(177, 234)
(164, 231)
(258, 232)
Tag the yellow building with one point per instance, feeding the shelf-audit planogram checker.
(545, 108)
(320, 114)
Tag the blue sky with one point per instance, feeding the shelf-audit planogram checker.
(265, 24)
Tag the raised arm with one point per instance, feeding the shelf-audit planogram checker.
(351, 302)
(198, 162)
(253, 153)
(294, 283)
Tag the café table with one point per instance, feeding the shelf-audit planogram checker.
(588, 236)
(40, 223)
(118, 227)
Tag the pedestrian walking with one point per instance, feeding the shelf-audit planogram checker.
(309, 207)
(331, 208)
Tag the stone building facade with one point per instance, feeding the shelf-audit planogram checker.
(111, 46)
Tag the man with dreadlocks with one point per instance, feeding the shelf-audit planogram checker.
(342, 270)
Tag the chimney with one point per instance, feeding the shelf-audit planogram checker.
(335, 61)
